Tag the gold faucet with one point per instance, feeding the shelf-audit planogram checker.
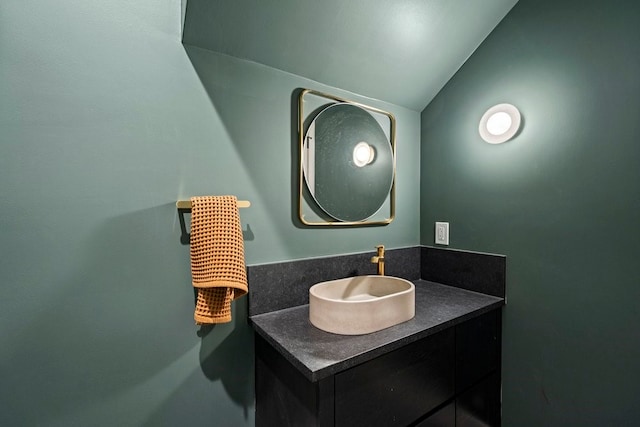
(379, 259)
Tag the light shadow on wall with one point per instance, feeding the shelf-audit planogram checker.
(254, 104)
(112, 325)
(115, 340)
(225, 355)
(230, 361)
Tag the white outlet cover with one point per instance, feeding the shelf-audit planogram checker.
(442, 233)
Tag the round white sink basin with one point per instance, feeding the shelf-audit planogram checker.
(362, 304)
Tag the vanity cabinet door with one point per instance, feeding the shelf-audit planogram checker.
(284, 397)
(480, 405)
(443, 417)
(398, 388)
(477, 349)
(478, 378)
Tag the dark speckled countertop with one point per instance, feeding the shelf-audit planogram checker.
(318, 354)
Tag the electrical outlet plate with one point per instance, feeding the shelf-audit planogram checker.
(442, 233)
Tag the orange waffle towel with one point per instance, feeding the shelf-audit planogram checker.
(217, 257)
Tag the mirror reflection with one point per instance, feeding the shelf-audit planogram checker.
(347, 162)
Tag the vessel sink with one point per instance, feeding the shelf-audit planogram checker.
(362, 304)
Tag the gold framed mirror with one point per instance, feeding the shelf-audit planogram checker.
(347, 162)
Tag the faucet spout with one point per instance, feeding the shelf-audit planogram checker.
(379, 259)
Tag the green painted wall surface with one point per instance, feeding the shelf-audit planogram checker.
(256, 106)
(561, 200)
(105, 121)
(385, 50)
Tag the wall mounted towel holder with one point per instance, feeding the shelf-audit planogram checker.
(186, 204)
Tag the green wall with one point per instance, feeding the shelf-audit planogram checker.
(106, 120)
(561, 200)
(256, 106)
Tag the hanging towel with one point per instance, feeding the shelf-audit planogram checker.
(217, 257)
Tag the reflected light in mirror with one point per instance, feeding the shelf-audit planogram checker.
(500, 123)
(363, 154)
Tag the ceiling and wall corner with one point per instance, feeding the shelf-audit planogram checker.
(402, 52)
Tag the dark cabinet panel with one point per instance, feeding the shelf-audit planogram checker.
(480, 405)
(477, 349)
(398, 388)
(444, 417)
(284, 397)
(453, 375)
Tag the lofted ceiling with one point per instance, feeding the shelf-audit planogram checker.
(398, 51)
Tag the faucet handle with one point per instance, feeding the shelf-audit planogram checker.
(379, 259)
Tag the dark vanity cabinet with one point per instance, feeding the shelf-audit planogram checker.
(449, 378)
(398, 388)
(478, 380)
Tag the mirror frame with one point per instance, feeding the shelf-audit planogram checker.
(302, 183)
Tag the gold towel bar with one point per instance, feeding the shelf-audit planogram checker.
(186, 204)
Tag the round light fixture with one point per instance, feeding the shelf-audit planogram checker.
(500, 123)
(363, 154)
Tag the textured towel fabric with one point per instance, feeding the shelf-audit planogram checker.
(217, 257)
